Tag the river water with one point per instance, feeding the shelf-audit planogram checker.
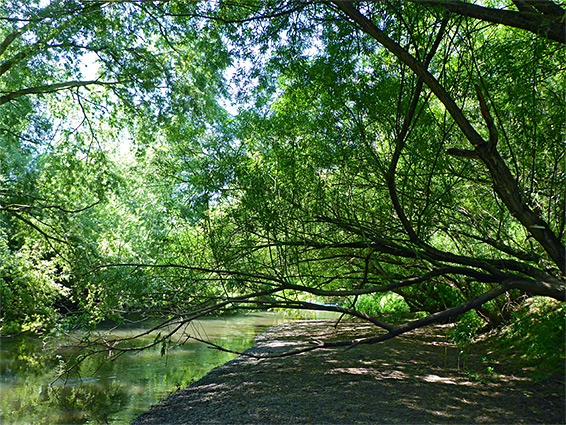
(115, 392)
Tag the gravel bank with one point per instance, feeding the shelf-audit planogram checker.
(416, 379)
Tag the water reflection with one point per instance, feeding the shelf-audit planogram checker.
(117, 391)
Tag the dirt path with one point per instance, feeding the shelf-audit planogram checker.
(413, 379)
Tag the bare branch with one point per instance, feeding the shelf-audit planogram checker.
(399, 330)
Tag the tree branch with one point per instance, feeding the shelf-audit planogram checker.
(50, 88)
(399, 330)
(23, 207)
(546, 25)
(504, 184)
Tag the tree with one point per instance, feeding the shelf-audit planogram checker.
(302, 222)
(414, 148)
(60, 126)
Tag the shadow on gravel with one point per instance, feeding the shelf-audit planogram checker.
(416, 379)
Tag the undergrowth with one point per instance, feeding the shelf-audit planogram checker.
(536, 333)
(533, 337)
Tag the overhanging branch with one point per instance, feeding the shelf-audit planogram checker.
(548, 25)
(504, 184)
(51, 88)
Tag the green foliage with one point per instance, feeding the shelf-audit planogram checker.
(28, 291)
(380, 304)
(139, 192)
(536, 332)
(466, 328)
(73, 200)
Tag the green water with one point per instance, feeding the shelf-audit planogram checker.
(116, 392)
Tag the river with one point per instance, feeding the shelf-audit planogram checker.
(113, 392)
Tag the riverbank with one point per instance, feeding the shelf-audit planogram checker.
(419, 378)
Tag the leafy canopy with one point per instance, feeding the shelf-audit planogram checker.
(187, 158)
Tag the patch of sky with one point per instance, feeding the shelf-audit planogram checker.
(228, 103)
(90, 68)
